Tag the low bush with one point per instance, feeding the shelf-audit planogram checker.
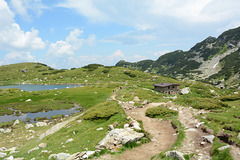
(160, 112)
(102, 111)
(206, 103)
(230, 97)
(57, 116)
(40, 118)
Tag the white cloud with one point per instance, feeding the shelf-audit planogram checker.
(86, 8)
(72, 43)
(116, 55)
(12, 38)
(22, 7)
(19, 56)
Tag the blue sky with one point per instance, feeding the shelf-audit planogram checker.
(74, 33)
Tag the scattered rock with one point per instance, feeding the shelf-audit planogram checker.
(110, 127)
(16, 122)
(8, 130)
(185, 90)
(209, 138)
(29, 126)
(175, 155)
(69, 140)
(42, 145)
(199, 124)
(60, 156)
(223, 148)
(99, 129)
(2, 154)
(33, 149)
(9, 158)
(115, 124)
(122, 136)
(28, 100)
(41, 124)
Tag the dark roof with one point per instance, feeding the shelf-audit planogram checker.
(166, 84)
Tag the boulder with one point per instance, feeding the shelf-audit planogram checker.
(16, 122)
(60, 156)
(41, 124)
(122, 136)
(185, 90)
(42, 145)
(223, 148)
(175, 155)
(29, 126)
(209, 138)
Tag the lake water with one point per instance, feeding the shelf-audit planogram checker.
(23, 117)
(30, 87)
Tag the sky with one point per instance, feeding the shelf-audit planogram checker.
(74, 33)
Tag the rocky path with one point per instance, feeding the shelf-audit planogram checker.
(193, 142)
(163, 135)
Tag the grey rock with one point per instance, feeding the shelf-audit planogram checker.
(33, 149)
(2, 154)
(99, 129)
(9, 158)
(88, 154)
(123, 136)
(185, 90)
(209, 138)
(69, 140)
(199, 124)
(60, 156)
(175, 154)
(110, 127)
(42, 145)
(41, 124)
(238, 137)
(16, 122)
(29, 126)
(223, 148)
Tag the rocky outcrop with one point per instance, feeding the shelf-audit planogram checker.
(41, 124)
(209, 138)
(185, 90)
(7, 130)
(29, 126)
(118, 137)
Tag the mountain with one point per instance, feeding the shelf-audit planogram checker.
(214, 60)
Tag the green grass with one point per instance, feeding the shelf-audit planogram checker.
(220, 155)
(160, 112)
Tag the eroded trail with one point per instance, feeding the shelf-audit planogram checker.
(163, 135)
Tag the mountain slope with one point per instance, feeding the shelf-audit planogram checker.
(215, 60)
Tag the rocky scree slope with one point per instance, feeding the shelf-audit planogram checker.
(215, 60)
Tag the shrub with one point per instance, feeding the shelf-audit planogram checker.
(230, 97)
(102, 111)
(40, 118)
(160, 112)
(206, 103)
(130, 74)
(105, 71)
(57, 116)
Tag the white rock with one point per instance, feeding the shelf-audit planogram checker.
(126, 125)
(199, 124)
(59, 156)
(33, 149)
(30, 138)
(2, 130)
(8, 130)
(42, 145)
(29, 126)
(209, 138)
(175, 154)
(223, 148)
(99, 129)
(88, 154)
(69, 140)
(41, 124)
(110, 127)
(28, 100)
(185, 90)
(2, 154)
(238, 137)
(9, 158)
(16, 122)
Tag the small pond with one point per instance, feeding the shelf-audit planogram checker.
(23, 117)
(38, 87)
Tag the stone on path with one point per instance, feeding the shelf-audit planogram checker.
(175, 155)
(209, 138)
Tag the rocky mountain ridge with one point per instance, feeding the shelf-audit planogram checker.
(214, 60)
